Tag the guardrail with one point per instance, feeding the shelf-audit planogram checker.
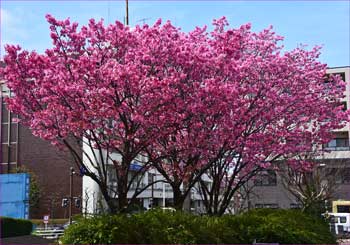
(49, 233)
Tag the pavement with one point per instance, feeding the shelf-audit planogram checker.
(29, 239)
(344, 241)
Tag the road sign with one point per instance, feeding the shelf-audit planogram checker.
(46, 219)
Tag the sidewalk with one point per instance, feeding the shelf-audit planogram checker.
(343, 241)
(30, 239)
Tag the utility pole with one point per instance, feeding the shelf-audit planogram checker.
(127, 12)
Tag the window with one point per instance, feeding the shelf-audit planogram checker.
(340, 74)
(111, 175)
(4, 90)
(296, 205)
(151, 178)
(136, 181)
(168, 187)
(328, 80)
(340, 142)
(266, 205)
(266, 178)
(342, 219)
(334, 219)
(344, 177)
(343, 208)
(344, 108)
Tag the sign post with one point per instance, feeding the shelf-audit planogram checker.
(46, 220)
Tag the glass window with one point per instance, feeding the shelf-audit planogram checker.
(344, 106)
(343, 209)
(266, 178)
(340, 74)
(4, 112)
(339, 142)
(266, 205)
(342, 219)
(150, 178)
(271, 205)
(4, 89)
(343, 177)
(295, 205)
(333, 219)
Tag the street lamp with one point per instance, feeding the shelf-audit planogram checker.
(72, 172)
(163, 194)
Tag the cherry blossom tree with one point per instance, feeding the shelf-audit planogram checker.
(186, 101)
(96, 87)
(254, 106)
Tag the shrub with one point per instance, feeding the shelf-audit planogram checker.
(15, 227)
(162, 227)
(282, 226)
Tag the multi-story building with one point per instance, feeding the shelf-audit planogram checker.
(267, 190)
(19, 148)
(159, 194)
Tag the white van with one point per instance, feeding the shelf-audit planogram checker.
(340, 223)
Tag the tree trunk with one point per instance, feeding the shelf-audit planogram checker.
(178, 199)
(122, 193)
(109, 201)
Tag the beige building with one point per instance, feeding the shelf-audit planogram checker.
(268, 190)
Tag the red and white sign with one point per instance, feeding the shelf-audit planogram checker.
(46, 219)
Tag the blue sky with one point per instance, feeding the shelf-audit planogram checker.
(325, 23)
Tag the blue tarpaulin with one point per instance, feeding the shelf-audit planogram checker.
(14, 195)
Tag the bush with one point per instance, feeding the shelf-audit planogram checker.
(162, 227)
(15, 227)
(282, 226)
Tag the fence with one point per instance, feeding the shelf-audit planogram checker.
(49, 233)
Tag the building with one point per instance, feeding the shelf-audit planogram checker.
(20, 149)
(268, 191)
(159, 194)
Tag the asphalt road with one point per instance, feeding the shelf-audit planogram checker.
(30, 239)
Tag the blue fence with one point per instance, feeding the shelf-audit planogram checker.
(14, 195)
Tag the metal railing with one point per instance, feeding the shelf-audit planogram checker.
(49, 233)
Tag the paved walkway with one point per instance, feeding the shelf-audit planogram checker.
(344, 241)
(30, 239)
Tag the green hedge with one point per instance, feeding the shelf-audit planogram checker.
(160, 227)
(15, 227)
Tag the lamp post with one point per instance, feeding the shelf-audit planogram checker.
(71, 193)
(163, 194)
(152, 190)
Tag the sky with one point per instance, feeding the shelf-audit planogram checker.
(325, 23)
